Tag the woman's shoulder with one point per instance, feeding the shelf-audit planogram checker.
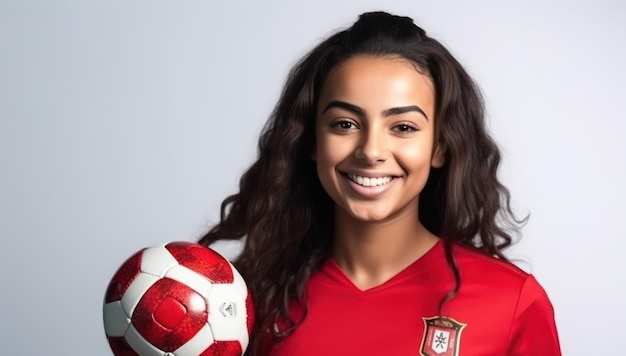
(495, 292)
(479, 268)
(472, 261)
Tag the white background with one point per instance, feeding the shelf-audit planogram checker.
(125, 123)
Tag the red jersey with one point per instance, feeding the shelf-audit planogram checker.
(498, 310)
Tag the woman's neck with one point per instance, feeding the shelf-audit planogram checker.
(370, 253)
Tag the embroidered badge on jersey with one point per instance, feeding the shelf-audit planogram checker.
(442, 336)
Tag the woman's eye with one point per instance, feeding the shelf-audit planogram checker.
(405, 128)
(344, 125)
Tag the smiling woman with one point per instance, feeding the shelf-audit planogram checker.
(380, 201)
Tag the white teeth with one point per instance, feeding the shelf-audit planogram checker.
(369, 182)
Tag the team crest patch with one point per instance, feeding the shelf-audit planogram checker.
(442, 336)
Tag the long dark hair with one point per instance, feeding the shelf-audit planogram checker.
(286, 216)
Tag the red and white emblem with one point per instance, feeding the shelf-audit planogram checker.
(442, 336)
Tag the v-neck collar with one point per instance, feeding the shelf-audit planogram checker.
(422, 263)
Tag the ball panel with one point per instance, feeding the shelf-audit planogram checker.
(157, 260)
(140, 344)
(202, 260)
(221, 348)
(250, 314)
(227, 312)
(123, 278)
(197, 344)
(169, 313)
(190, 278)
(180, 327)
(120, 347)
(136, 290)
(115, 320)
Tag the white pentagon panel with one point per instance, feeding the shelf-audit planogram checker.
(157, 261)
(136, 290)
(141, 345)
(227, 312)
(198, 343)
(115, 320)
(191, 279)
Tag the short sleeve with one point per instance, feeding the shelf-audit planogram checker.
(533, 331)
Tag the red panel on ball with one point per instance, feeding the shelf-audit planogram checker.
(157, 297)
(169, 313)
(250, 313)
(203, 260)
(123, 278)
(120, 347)
(222, 348)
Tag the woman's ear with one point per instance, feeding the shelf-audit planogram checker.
(439, 156)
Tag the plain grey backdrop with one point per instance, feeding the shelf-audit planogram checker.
(125, 123)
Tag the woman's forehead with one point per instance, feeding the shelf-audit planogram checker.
(378, 82)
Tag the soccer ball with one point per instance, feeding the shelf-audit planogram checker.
(177, 299)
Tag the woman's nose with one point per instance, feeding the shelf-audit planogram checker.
(372, 147)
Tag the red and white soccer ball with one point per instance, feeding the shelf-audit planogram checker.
(178, 299)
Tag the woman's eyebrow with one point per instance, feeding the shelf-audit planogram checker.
(404, 109)
(346, 106)
(386, 113)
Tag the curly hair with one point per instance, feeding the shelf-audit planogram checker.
(285, 215)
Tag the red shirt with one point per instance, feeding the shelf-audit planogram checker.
(499, 310)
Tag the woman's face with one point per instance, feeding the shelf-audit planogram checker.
(375, 137)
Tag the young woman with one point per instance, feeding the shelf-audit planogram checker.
(373, 217)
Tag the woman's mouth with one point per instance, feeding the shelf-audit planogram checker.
(369, 181)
